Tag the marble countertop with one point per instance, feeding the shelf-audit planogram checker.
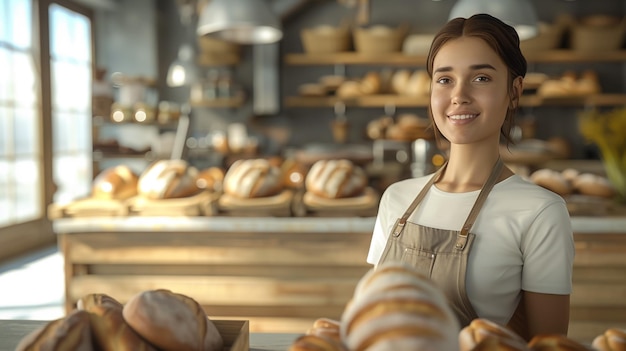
(273, 224)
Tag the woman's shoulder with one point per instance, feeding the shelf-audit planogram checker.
(521, 189)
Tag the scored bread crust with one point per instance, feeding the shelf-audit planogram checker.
(115, 183)
(71, 333)
(554, 342)
(171, 321)
(335, 179)
(612, 339)
(168, 179)
(480, 329)
(108, 326)
(253, 178)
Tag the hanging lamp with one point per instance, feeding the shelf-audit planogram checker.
(240, 21)
(520, 14)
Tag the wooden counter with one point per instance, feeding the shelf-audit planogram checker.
(283, 273)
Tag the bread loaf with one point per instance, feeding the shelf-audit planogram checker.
(400, 313)
(71, 333)
(480, 329)
(555, 342)
(115, 183)
(210, 179)
(552, 180)
(612, 339)
(167, 179)
(326, 327)
(335, 179)
(109, 329)
(253, 178)
(593, 185)
(171, 321)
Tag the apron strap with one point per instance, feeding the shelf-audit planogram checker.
(417, 200)
(482, 197)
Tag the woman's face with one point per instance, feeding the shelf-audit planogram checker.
(470, 92)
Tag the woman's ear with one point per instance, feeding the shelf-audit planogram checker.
(516, 91)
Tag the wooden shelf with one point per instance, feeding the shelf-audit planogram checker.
(400, 59)
(413, 101)
(220, 102)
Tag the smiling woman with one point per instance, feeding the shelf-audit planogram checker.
(501, 248)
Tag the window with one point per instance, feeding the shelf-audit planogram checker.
(45, 118)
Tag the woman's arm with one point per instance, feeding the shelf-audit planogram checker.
(546, 313)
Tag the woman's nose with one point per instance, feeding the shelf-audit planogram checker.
(460, 94)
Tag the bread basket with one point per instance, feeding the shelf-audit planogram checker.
(549, 37)
(598, 33)
(379, 39)
(326, 39)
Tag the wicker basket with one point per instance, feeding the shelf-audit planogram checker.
(549, 37)
(379, 39)
(326, 39)
(596, 36)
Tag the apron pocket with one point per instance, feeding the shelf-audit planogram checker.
(422, 260)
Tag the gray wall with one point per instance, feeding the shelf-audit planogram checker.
(132, 27)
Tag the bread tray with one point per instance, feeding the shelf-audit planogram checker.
(236, 334)
(201, 204)
(363, 205)
(88, 207)
(277, 206)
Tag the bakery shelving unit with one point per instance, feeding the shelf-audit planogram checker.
(399, 59)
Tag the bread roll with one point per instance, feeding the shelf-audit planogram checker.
(371, 83)
(403, 312)
(253, 178)
(167, 179)
(418, 84)
(552, 180)
(554, 342)
(210, 179)
(326, 327)
(492, 343)
(593, 185)
(335, 179)
(108, 327)
(115, 183)
(612, 339)
(399, 81)
(71, 333)
(310, 342)
(171, 321)
(480, 329)
(349, 89)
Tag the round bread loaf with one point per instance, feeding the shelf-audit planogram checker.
(493, 343)
(593, 185)
(555, 342)
(326, 327)
(612, 339)
(404, 309)
(552, 180)
(168, 179)
(108, 327)
(171, 321)
(335, 179)
(115, 183)
(73, 332)
(210, 179)
(253, 178)
(480, 329)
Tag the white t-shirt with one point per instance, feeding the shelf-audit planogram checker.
(523, 238)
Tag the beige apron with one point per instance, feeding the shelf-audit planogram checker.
(437, 253)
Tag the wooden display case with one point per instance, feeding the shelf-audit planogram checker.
(283, 273)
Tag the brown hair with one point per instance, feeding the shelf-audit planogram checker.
(501, 37)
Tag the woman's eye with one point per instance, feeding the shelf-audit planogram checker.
(482, 79)
(443, 80)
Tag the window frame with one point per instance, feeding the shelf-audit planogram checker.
(21, 238)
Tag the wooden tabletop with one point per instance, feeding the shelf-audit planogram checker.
(12, 331)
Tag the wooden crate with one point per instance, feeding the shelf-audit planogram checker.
(235, 333)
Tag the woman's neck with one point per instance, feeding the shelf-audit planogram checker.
(468, 168)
